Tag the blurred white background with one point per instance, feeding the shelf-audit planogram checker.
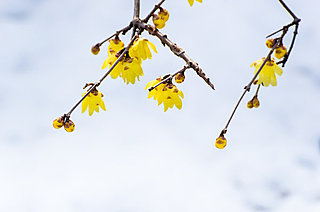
(135, 157)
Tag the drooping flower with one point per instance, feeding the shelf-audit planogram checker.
(192, 1)
(141, 49)
(131, 70)
(115, 45)
(93, 101)
(267, 74)
(166, 93)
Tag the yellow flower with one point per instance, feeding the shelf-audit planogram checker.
(191, 1)
(115, 45)
(140, 49)
(111, 59)
(131, 70)
(166, 93)
(93, 101)
(267, 74)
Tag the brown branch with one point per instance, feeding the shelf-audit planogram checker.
(175, 49)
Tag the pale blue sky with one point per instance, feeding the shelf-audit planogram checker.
(135, 157)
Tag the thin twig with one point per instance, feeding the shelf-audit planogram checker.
(176, 50)
(95, 85)
(247, 87)
(256, 94)
(169, 77)
(285, 59)
(124, 30)
(288, 10)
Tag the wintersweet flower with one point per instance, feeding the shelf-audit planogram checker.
(115, 45)
(131, 70)
(140, 49)
(192, 1)
(93, 101)
(267, 74)
(155, 93)
(166, 93)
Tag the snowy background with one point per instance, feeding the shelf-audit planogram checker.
(135, 157)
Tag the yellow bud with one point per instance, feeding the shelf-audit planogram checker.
(158, 21)
(163, 13)
(221, 142)
(250, 104)
(179, 78)
(270, 43)
(69, 126)
(256, 102)
(280, 52)
(58, 123)
(95, 49)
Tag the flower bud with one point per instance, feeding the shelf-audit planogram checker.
(270, 43)
(179, 78)
(95, 49)
(164, 14)
(221, 142)
(250, 104)
(256, 102)
(58, 123)
(69, 126)
(158, 21)
(280, 52)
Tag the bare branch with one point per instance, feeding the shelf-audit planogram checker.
(176, 50)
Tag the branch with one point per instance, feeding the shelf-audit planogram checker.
(247, 87)
(175, 49)
(124, 31)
